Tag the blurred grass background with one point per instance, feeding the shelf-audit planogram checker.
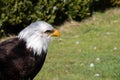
(87, 50)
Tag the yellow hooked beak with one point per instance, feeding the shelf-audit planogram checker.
(55, 33)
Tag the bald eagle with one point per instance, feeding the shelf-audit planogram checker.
(22, 57)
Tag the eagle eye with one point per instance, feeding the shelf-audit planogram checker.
(49, 31)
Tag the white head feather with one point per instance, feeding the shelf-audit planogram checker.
(35, 36)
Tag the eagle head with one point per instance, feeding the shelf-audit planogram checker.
(38, 35)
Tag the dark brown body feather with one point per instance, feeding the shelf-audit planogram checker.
(17, 62)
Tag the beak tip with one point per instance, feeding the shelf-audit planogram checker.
(56, 33)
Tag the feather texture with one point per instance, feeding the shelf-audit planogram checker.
(22, 57)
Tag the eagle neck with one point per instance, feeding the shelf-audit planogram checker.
(37, 45)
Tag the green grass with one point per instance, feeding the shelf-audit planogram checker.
(93, 41)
